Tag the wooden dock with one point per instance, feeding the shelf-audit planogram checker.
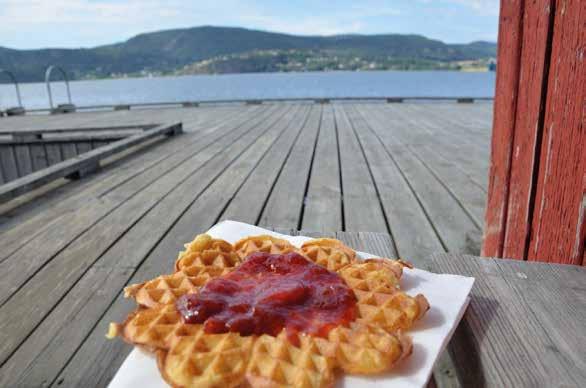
(415, 171)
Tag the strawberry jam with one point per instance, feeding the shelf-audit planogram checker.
(267, 293)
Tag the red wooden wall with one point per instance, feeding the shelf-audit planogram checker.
(536, 207)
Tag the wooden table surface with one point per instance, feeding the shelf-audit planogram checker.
(525, 325)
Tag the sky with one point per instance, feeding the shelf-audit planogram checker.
(26, 24)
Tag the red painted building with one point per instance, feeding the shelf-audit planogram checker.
(536, 206)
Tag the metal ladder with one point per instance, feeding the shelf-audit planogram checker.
(60, 108)
(17, 110)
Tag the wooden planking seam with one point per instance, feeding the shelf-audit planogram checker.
(475, 216)
(453, 215)
(447, 140)
(281, 137)
(472, 165)
(310, 170)
(289, 152)
(413, 191)
(284, 205)
(260, 186)
(342, 216)
(373, 180)
(323, 201)
(438, 157)
(413, 232)
(361, 206)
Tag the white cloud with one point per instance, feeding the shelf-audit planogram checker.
(75, 23)
(483, 7)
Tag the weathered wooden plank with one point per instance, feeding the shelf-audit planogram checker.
(9, 166)
(323, 203)
(362, 207)
(38, 157)
(68, 150)
(23, 159)
(559, 219)
(412, 231)
(248, 203)
(453, 225)
(494, 348)
(99, 143)
(471, 197)
(507, 82)
(528, 124)
(380, 244)
(53, 154)
(83, 147)
(285, 204)
(448, 141)
(36, 131)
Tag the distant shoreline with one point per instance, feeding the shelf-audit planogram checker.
(6, 83)
(173, 75)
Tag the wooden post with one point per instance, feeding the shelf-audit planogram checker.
(536, 206)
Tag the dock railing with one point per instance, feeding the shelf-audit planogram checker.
(32, 158)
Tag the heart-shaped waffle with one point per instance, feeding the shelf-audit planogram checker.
(262, 243)
(380, 300)
(207, 251)
(188, 356)
(329, 253)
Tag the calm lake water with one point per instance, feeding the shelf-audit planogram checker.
(257, 86)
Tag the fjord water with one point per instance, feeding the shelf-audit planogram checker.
(257, 86)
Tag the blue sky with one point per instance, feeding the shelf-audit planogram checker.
(87, 23)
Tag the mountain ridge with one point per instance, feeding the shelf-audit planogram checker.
(169, 51)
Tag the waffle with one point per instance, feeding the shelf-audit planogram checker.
(275, 362)
(263, 243)
(189, 357)
(329, 253)
(206, 251)
(197, 359)
(363, 348)
(380, 301)
(167, 288)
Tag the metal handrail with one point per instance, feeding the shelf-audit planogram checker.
(15, 82)
(48, 83)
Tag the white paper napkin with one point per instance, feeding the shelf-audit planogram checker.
(447, 295)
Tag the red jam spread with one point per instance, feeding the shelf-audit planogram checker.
(267, 293)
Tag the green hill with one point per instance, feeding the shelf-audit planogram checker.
(174, 51)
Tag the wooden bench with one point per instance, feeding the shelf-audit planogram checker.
(80, 165)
